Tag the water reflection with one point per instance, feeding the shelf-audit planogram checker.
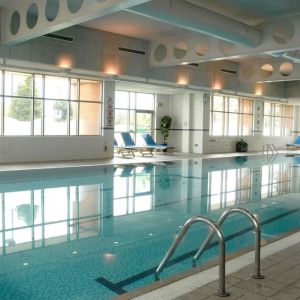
(50, 212)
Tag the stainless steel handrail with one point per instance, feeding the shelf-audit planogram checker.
(215, 229)
(270, 146)
(246, 212)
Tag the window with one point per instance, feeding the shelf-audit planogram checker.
(134, 112)
(38, 105)
(278, 119)
(230, 116)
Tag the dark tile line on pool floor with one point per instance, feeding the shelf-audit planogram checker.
(118, 286)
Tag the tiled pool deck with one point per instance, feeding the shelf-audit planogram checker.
(282, 280)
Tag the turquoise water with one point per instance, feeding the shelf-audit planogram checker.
(97, 232)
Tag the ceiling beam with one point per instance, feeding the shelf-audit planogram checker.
(25, 20)
(279, 35)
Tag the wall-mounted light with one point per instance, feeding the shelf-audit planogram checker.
(258, 90)
(182, 77)
(65, 62)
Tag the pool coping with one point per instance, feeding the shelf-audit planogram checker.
(190, 280)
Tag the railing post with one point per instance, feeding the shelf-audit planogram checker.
(256, 274)
(215, 228)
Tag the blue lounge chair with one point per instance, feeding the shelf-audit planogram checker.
(151, 143)
(295, 145)
(125, 151)
(128, 142)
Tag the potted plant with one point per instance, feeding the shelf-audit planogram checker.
(165, 125)
(241, 146)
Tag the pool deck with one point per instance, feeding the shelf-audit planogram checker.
(282, 280)
(158, 157)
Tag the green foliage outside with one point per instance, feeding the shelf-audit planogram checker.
(21, 109)
(27, 213)
(61, 109)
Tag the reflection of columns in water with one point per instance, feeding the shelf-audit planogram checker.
(255, 192)
(204, 198)
(108, 205)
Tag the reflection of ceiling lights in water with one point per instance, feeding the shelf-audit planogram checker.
(25, 264)
(74, 252)
(116, 243)
(109, 256)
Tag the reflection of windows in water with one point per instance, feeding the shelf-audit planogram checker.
(275, 180)
(228, 187)
(30, 219)
(135, 192)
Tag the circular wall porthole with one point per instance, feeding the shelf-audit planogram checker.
(160, 53)
(74, 5)
(202, 47)
(286, 69)
(52, 9)
(15, 22)
(266, 70)
(180, 49)
(32, 15)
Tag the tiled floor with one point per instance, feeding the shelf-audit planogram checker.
(282, 280)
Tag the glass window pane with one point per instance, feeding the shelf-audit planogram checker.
(38, 113)
(90, 90)
(56, 87)
(248, 106)
(89, 118)
(132, 100)
(267, 125)
(18, 84)
(233, 105)
(278, 110)
(74, 89)
(144, 101)
(17, 116)
(143, 122)
(121, 99)
(56, 117)
(38, 86)
(121, 120)
(267, 109)
(277, 126)
(288, 126)
(232, 124)
(74, 118)
(132, 120)
(288, 111)
(218, 103)
(247, 125)
(218, 123)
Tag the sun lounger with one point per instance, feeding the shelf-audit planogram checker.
(125, 151)
(295, 145)
(128, 142)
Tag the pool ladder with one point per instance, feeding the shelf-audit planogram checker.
(215, 228)
(270, 148)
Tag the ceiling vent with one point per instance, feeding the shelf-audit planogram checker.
(232, 72)
(129, 50)
(59, 37)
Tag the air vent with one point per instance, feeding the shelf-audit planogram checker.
(194, 64)
(228, 71)
(135, 51)
(60, 37)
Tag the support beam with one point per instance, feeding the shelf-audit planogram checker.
(200, 20)
(25, 20)
(268, 70)
(279, 35)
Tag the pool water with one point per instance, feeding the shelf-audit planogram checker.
(96, 232)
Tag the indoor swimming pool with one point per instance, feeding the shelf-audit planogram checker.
(96, 232)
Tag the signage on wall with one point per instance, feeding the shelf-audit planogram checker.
(109, 119)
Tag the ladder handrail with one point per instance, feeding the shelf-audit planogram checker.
(270, 146)
(246, 212)
(215, 229)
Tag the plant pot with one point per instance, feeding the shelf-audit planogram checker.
(241, 148)
(165, 144)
